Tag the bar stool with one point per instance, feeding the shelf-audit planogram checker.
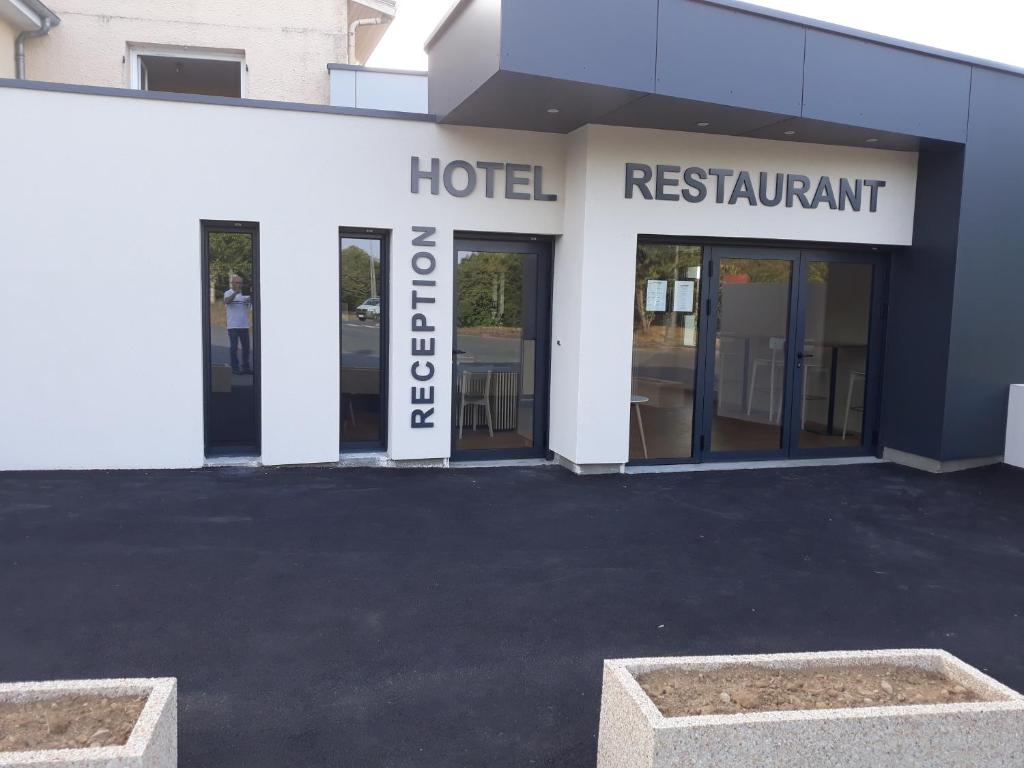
(777, 359)
(475, 397)
(818, 369)
(854, 375)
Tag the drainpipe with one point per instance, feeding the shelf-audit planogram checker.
(352, 33)
(19, 46)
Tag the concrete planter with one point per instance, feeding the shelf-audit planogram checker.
(153, 742)
(634, 733)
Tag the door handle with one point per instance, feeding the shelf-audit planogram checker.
(458, 351)
(803, 355)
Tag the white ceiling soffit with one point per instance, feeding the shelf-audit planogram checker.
(386, 7)
(26, 15)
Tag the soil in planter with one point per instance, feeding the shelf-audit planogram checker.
(68, 722)
(747, 688)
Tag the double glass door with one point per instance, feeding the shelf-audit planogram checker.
(778, 356)
(500, 357)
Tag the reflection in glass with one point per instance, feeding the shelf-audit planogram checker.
(750, 354)
(362, 307)
(496, 342)
(838, 312)
(231, 419)
(665, 332)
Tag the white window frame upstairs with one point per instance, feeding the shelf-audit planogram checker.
(136, 51)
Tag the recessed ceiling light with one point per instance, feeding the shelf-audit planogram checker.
(789, 133)
(553, 110)
(872, 140)
(703, 125)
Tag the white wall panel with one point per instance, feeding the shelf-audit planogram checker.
(100, 295)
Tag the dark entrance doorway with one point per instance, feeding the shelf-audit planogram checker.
(231, 357)
(501, 355)
(755, 353)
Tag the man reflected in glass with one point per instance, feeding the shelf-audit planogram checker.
(238, 305)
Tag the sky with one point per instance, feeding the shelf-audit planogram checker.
(987, 29)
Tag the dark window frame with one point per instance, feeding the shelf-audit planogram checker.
(252, 228)
(384, 237)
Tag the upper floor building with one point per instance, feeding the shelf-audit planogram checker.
(276, 50)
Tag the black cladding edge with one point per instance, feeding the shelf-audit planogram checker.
(223, 101)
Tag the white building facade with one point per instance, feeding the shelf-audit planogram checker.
(110, 355)
(601, 262)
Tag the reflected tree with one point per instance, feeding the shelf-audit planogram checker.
(360, 276)
(490, 290)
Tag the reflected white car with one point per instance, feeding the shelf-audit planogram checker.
(369, 308)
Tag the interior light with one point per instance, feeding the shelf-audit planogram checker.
(553, 110)
(872, 140)
(789, 133)
(703, 125)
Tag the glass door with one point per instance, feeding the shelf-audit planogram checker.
(749, 352)
(792, 350)
(839, 334)
(500, 357)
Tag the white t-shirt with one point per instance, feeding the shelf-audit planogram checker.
(238, 305)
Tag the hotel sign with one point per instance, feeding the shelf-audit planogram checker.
(460, 178)
(726, 186)
(423, 327)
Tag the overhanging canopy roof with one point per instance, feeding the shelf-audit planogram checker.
(712, 66)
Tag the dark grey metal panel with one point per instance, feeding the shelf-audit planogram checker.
(512, 100)
(715, 54)
(820, 132)
(806, 21)
(668, 112)
(920, 310)
(590, 41)
(861, 83)
(465, 56)
(987, 336)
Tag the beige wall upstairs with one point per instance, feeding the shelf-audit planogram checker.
(287, 43)
(7, 37)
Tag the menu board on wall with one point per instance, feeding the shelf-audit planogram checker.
(682, 298)
(657, 295)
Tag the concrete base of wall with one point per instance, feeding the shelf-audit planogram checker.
(724, 466)
(1014, 454)
(589, 469)
(416, 463)
(936, 466)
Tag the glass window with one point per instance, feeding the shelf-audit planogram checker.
(838, 307)
(665, 332)
(182, 71)
(232, 405)
(363, 319)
